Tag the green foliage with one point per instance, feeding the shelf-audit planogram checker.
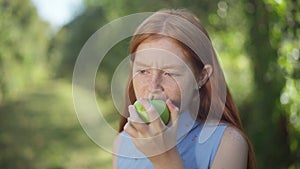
(65, 47)
(258, 47)
(41, 131)
(274, 45)
(23, 48)
(289, 62)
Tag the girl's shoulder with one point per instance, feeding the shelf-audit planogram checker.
(218, 141)
(232, 151)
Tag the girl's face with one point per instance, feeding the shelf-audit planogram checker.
(162, 71)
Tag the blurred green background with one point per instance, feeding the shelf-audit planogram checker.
(258, 46)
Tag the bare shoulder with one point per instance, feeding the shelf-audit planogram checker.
(232, 151)
(235, 137)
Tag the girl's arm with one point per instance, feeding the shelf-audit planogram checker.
(232, 152)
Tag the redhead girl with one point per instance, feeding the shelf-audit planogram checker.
(172, 59)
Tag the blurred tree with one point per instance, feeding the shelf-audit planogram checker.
(38, 128)
(23, 48)
(66, 45)
(269, 122)
(289, 61)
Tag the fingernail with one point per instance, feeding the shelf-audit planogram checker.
(131, 108)
(134, 117)
(169, 102)
(145, 103)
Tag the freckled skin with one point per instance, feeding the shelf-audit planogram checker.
(154, 57)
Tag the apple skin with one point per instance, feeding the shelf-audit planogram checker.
(160, 107)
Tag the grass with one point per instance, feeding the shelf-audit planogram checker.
(40, 130)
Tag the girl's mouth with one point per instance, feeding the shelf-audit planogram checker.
(157, 96)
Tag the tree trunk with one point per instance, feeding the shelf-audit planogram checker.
(268, 123)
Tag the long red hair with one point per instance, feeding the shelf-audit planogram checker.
(158, 27)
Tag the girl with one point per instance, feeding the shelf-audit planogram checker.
(172, 59)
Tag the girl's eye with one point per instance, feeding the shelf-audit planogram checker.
(143, 71)
(170, 74)
(167, 74)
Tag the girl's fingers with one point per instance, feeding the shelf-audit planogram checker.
(174, 112)
(134, 117)
(136, 121)
(130, 129)
(153, 115)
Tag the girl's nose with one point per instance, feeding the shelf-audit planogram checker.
(156, 79)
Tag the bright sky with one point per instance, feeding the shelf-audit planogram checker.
(58, 12)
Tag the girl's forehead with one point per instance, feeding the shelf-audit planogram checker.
(161, 52)
(158, 57)
(161, 43)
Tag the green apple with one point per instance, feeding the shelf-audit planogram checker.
(160, 107)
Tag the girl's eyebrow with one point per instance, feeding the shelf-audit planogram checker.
(165, 67)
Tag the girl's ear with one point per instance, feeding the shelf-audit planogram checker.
(204, 75)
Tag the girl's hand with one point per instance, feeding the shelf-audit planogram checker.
(155, 138)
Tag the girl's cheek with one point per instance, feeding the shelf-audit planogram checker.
(139, 89)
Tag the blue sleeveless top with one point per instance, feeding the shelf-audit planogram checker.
(194, 153)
